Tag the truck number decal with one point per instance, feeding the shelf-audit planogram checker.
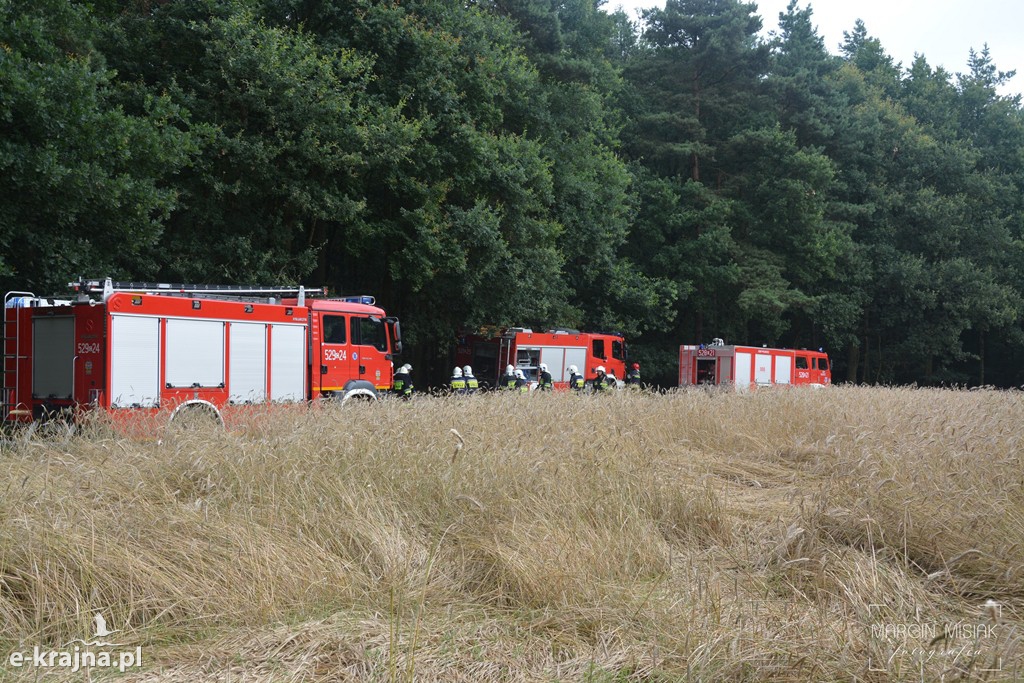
(335, 354)
(88, 347)
(705, 353)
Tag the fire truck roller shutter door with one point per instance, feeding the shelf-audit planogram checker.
(53, 338)
(287, 363)
(577, 357)
(195, 353)
(762, 368)
(554, 358)
(247, 368)
(134, 361)
(742, 369)
(783, 369)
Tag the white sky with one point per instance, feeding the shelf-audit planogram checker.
(943, 30)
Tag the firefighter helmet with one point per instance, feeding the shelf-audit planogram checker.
(636, 366)
(457, 372)
(467, 371)
(509, 369)
(574, 370)
(543, 367)
(520, 375)
(599, 369)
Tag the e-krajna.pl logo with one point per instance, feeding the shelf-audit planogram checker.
(82, 654)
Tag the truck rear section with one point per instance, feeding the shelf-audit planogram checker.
(526, 350)
(747, 367)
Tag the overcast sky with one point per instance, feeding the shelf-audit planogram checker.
(943, 30)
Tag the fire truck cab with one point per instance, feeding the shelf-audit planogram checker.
(151, 346)
(747, 367)
(525, 350)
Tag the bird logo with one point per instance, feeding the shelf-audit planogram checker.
(101, 632)
(101, 626)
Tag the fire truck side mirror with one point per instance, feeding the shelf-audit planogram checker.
(396, 335)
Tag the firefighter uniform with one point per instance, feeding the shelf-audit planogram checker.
(602, 382)
(508, 380)
(402, 383)
(472, 385)
(633, 375)
(457, 383)
(521, 385)
(576, 382)
(546, 383)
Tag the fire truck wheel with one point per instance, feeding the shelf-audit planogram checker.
(359, 390)
(196, 415)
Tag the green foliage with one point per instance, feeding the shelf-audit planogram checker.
(84, 182)
(511, 162)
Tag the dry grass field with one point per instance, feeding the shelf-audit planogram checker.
(866, 534)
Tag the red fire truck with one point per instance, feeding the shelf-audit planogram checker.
(148, 346)
(747, 367)
(525, 350)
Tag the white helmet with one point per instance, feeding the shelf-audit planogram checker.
(467, 371)
(574, 370)
(457, 372)
(406, 368)
(509, 369)
(599, 369)
(543, 367)
(520, 375)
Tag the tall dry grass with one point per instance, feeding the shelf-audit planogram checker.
(780, 535)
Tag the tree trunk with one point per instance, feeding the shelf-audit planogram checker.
(981, 358)
(695, 171)
(852, 363)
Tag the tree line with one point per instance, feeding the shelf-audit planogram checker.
(528, 162)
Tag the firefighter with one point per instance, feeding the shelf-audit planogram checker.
(546, 384)
(457, 383)
(508, 380)
(521, 385)
(576, 382)
(472, 385)
(601, 382)
(633, 375)
(402, 383)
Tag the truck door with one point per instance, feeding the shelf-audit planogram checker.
(53, 353)
(803, 369)
(335, 353)
(822, 375)
(369, 351)
(600, 356)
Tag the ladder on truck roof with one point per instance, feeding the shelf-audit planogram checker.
(107, 287)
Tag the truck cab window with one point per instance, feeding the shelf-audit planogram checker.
(369, 332)
(618, 352)
(801, 363)
(599, 348)
(334, 329)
